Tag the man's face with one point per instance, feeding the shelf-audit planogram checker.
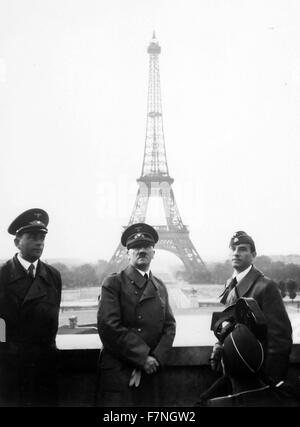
(30, 245)
(141, 257)
(242, 256)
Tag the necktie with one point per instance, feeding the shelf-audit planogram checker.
(146, 276)
(232, 284)
(30, 271)
(232, 292)
(227, 296)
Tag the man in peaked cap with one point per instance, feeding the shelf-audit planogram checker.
(136, 326)
(30, 293)
(248, 281)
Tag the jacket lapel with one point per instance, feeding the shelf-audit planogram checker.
(225, 292)
(248, 281)
(37, 289)
(243, 286)
(134, 276)
(150, 289)
(16, 271)
(154, 281)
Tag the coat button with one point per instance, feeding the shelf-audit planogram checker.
(139, 330)
(139, 316)
(136, 292)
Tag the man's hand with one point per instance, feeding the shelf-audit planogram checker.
(215, 358)
(151, 365)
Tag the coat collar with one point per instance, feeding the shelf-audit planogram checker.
(244, 285)
(17, 271)
(134, 276)
(37, 289)
(150, 290)
(248, 281)
(42, 272)
(154, 281)
(26, 264)
(137, 279)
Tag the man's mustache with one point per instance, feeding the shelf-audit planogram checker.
(142, 254)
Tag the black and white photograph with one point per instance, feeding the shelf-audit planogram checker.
(150, 205)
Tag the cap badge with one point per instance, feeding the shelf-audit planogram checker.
(36, 223)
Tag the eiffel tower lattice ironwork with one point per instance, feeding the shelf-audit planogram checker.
(155, 181)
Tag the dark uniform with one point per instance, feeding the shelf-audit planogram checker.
(134, 320)
(30, 309)
(279, 337)
(266, 293)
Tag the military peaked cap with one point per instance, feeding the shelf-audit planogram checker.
(138, 235)
(31, 220)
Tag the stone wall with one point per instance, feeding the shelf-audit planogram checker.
(185, 377)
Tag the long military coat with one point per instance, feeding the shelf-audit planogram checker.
(134, 320)
(28, 357)
(266, 293)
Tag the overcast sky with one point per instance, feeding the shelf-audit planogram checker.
(73, 98)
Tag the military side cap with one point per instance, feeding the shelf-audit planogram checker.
(243, 353)
(241, 237)
(31, 220)
(138, 235)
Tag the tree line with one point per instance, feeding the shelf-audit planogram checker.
(286, 275)
(81, 276)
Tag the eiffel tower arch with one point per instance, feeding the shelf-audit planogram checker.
(155, 181)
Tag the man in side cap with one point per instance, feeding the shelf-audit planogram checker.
(136, 326)
(248, 281)
(30, 293)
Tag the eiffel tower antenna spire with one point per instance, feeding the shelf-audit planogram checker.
(155, 181)
(155, 159)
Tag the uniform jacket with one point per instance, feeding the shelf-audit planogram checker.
(279, 341)
(28, 357)
(133, 322)
(35, 319)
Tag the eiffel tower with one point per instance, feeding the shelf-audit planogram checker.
(155, 181)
